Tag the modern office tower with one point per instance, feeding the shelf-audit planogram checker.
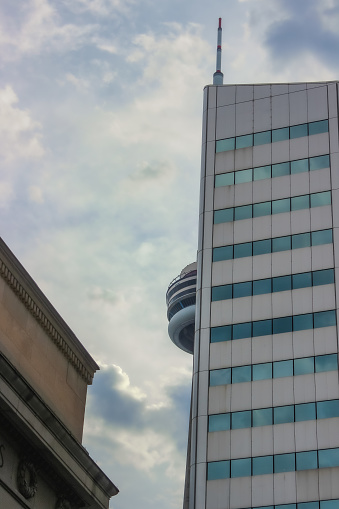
(265, 402)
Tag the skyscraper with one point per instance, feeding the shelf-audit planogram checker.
(264, 429)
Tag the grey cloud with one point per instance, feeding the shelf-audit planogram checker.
(151, 171)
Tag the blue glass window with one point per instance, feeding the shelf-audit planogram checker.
(262, 371)
(303, 322)
(242, 289)
(328, 458)
(326, 363)
(308, 505)
(243, 212)
(317, 163)
(241, 419)
(242, 330)
(324, 319)
(280, 169)
(222, 253)
(305, 412)
(281, 244)
(241, 374)
(225, 179)
(300, 202)
(244, 141)
(321, 199)
(243, 176)
(218, 470)
(281, 325)
(280, 134)
(301, 280)
(327, 409)
(282, 283)
(262, 138)
(323, 277)
(262, 417)
(219, 422)
(241, 467)
(306, 460)
(284, 463)
(262, 209)
(221, 333)
(262, 286)
(243, 250)
(220, 377)
(223, 216)
(279, 206)
(299, 166)
(263, 465)
(282, 369)
(301, 240)
(224, 145)
(222, 292)
(298, 131)
(262, 328)
(261, 247)
(318, 127)
(329, 504)
(283, 414)
(304, 366)
(321, 237)
(262, 172)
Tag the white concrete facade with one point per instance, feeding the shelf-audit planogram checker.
(232, 111)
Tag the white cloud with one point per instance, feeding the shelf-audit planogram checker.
(35, 194)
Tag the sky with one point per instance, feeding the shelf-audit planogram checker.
(100, 139)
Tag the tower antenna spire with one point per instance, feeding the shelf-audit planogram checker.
(218, 77)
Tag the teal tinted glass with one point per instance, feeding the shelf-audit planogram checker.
(262, 209)
(263, 417)
(262, 138)
(317, 163)
(262, 286)
(283, 414)
(282, 283)
(241, 419)
(243, 250)
(263, 172)
(262, 328)
(322, 237)
(222, 253)
(244, 141)
(303, 322)
(224, 145)
(280, 169)
(324, 319)
(299, 166)
(329, 504)
(318, 127)
(281, 244)
(286, 506)
(298, 131)
(326, 363)
(300, 202)
(223, 216)
(284, 463)
(241, 467)
(304, 366)
(219, 422)
(327, 409)
(220, 377)
(301, 240)
(241, 374)
(328, 458)
(243, 176)
(242, 330)
(323, 277)
(222, 292)
(281, 325)
(305, 412)
(221, 333)
(262, 465)
(279, 206)
(243, 212)
(242, 289)
(306, 460)
(218, 470)
(280, 134)
(321, 199)
(261, 247)
(308, 505)
(225, 179)
(301, 280)
(282, 369)
(262, 371)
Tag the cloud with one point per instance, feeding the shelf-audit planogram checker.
(100, 7)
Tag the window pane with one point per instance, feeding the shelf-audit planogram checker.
(299, 166)
(263, 465)
(329, 504)
(316, 163)
(280, 134)
(301, 240)
(308, 505)
(305, 412)
(243, 250)
(328, 458)
(262, 286)
(282, 283)
(241, 467)
(283, 414)
(284, 463)
(242, 330)
(244, 212)
(244, 141)
(300, 202)
(263, 172)
(306, 460)
(262, 209)
(262, 328)
(223, 216)
(222, 292)
(222, 253)
(304, 366)
(224, 145)
(262, 371)
(241, 419)
(281, 244)
(297, 131)
(318, 127)
(263, 417)
(323, 277)
(326, 409)
(279, 206)
(326, 363)
(301, 280)
(261, 247)
(280, 169)
(225, 179)
(324, 319)
(241, 374)
(321, 237)
(281, 325)
(262, 138)
(242, 289)
(220, 377)
(221, 333)
(243, 176)
(219, 422)
(218, 470)
(282, 369)
(303, 322)
(320, 199)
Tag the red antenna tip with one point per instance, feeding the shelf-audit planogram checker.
(219, 22)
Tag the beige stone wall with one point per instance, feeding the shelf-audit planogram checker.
(41, 363)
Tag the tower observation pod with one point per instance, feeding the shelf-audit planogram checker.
(180, 300)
